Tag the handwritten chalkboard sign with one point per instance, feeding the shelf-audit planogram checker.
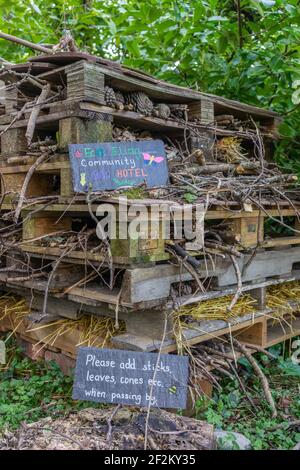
(126, 377)
(112, 165)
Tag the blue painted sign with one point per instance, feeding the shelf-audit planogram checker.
(112, 165)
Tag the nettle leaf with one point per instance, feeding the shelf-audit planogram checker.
(189, 197)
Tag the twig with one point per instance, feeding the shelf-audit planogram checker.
(109, 421)
(29, 174)
(35, 112)
(23, 42)
(187, 266)
(260, 349)
(239, 283)
(260, 374)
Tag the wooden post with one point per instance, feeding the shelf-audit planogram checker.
(149, 246)
(255, 334)
(11, 100)
(66, 184)
(259, 294)
(248, 230)
(39, 184)
(43, 224)
(85, 82)
(13, 142)
(202, 110)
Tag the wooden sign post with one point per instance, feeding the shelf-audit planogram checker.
(131, 378)
(111, 165)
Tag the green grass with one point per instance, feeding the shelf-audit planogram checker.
(230, 409)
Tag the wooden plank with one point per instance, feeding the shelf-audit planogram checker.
(38, 226)
(255, 334)
(74, 130)
(85, 81)
(53, 252)
(187, 300)
(175, 93)
(99, 294)
(249, 231)
(206, 330)
(160, 89)
(39, 185)
(281, 241)
(52, 118)
(47, 167)
(202, 110)
(13, 141)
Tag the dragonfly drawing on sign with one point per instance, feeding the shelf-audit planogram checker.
(152, 158)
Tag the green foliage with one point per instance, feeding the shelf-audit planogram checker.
(189, 197)
(231, 411)
(32, 390)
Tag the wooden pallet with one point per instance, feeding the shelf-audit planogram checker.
(246, 228)
(278, 331)
(147, 286)
(86, 78)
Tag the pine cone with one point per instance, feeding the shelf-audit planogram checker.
(140, 101)
(162, 110)
(109, 96)
(178, 113)
(120, 100)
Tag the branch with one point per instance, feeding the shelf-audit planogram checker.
(35, 112)
(30, 172)
(260, 374)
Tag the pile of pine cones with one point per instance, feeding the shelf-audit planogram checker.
(136, 101)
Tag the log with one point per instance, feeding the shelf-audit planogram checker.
(184, 255)
(223, 168)
(224, 117)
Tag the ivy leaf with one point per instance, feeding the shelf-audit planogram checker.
(289, 368)
(189, 197)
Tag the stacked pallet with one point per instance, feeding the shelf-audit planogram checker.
(220, 154)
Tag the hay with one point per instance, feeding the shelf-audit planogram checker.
(88, 330)
(229, 150)
(283, 298)
(217, 309)
(13, 311)
(214, 309)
